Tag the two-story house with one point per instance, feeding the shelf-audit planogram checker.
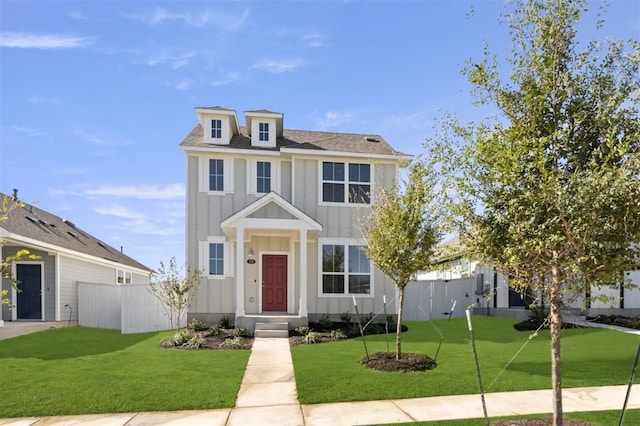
(272, 218)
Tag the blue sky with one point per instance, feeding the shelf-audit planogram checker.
(95, 96)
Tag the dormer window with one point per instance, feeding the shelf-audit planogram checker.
(263, 134)
(216, 129)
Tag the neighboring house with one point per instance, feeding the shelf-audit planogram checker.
(67, 255)
(493, 290)
(272, 218)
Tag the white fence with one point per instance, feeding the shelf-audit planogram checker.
(129, 308)
(432, 299)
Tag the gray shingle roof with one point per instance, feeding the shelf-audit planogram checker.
(304, 139)
(34, 223)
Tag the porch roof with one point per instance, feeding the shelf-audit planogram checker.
(299, 220)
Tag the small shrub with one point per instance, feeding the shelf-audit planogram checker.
(225, 322)
(194, 343)
(196, 325)
(302, 330)
(345, 317)
(325, 322)
(178, 339)
(214, 330)
(538, 313)
(338, 334)
(242, 332)
(232, 343)
(354, 330)
(310, 338)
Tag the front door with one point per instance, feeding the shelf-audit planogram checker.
(274, 283)
(29, 298)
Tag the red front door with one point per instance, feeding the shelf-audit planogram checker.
(274, 283)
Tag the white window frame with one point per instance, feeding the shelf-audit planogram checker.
(347, 181)
(345, 243)
(252, 176)
(263, 131)
(228, 260)
(218, 130)
(203, 172)
(125, 274)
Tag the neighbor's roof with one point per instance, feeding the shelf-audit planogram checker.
(305, 140)
(36, 224)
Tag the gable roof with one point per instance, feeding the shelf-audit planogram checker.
(306, 140)
(29, 223)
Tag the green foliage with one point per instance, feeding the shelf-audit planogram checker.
(225, 322)
(235, 342)
(196, 325)
(311, 337)
(303, 330)
(338, 334)
(214, 330)
(325, 322)
(345, 317)
(242, 332)
(175, 288)
(402, 231)
(548, 191)
(193, 343)
(175, 340)
(538, 313)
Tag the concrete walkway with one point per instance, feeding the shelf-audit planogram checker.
(268, 396)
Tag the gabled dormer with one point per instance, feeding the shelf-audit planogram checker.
(264, 127)
(219, 124)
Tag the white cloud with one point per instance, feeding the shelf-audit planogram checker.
(93, 139)
(229, 78)
(315, 40)
(197, 18)
(28, 131)
(41, 41)
(139, 192)
(415, 120)
(184, 84)
(277, 66)
(77, 15)
(174, 61)
(333, 119)
(119, 211)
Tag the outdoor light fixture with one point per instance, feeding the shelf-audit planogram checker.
(250, 257)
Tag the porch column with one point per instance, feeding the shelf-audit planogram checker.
(240, 271)
(303, 273)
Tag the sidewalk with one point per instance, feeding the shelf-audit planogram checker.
(268, 396)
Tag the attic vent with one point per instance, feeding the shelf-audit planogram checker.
(32, 219)
(42, 222)
(101, 244)
(372, 139)
(68, 222)
(72, 234)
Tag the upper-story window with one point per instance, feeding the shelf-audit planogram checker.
(263, 132)
(123, 277)
(263, 177)
(355, 186)
(216, 129)
(216, 175)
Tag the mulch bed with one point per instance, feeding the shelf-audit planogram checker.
(386, 361)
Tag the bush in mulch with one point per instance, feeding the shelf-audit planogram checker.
(617, 320)
(386, 361)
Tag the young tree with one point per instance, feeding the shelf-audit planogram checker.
(549, 190)
(175, 288)
(402, 232)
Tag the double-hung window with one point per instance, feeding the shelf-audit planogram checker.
(345, 270)
(263, 177)
(263, 132)
(346, 182)
(216, 129)
(216, 259)
(216, 175)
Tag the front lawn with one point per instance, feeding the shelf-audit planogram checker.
(331, 372)
(81, 370)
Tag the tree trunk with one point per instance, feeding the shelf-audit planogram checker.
(556, 360)
(399, 326)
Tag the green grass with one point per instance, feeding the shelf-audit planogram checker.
(596, 418)
(83, 370)
(332, 372)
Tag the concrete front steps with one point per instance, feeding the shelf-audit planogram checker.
(271, 329)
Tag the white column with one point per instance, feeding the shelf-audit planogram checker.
(303, 273)
(240, 272)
